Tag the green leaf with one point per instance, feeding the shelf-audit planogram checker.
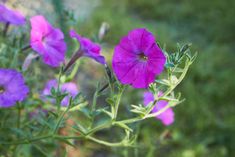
(53, 91)
(19, 132)
(178, 70)
(107, 112)
(169, 65)
(110, 101)
(124, 126)
(185, 48)
(68, 142)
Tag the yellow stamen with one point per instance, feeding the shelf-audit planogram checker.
(143, 57)
(1, 89)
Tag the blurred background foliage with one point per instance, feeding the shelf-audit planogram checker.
(205, 122)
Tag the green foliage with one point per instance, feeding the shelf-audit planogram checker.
(204, 122)
(204, 125)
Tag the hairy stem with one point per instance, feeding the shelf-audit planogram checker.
(18, 115)
(74, 58)
(136, 119)
(117, 103)
(117, 144)
(27, 141)
(4, 33)
(59, 121)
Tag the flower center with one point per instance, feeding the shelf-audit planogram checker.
(143, 57)
(2, 89)
(44, 39)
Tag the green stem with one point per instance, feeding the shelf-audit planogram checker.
(93, 107)
(74, 71)
(171, 87)
(15, 59)
(18, 115)
(58, 91)
(74, 58)
(94, 101)
(157, 113)
(59, 121)
(116, 105)
(27, 141)
(132, 120)
(68, 137)
(100, 127)
(6, 27)
(118, 144)
(136, 119)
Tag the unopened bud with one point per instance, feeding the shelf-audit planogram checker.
(103, 30)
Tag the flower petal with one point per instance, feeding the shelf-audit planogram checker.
(88, 48)
(12, 82)
(69, 87)
(156, 60)
(123, 62)
(47, 41)
(141, 40)
(10, 16)
(137, 60)
(53, 57)
(40, 27)
(166, 117)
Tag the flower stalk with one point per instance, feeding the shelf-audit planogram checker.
(115, 107)
(74, 58)
(6, 27)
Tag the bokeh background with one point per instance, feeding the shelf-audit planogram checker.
(205, 122)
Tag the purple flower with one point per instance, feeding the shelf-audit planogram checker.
(12, 87)
(47, 41)
(88, 48)
(10, 16)
(167, 117)
(137, 60)
(69, 87)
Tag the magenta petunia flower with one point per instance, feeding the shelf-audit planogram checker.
(69, 87)
(137, 60)
(47, 41)
(88, 48)
(12, 87)
(167, 117)
(10, 16)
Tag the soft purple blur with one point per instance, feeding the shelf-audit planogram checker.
(10, 16)
(88, 48)
(137, 59)
(12, 87)
(69, 87)
(167, 117)
(47, 41)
